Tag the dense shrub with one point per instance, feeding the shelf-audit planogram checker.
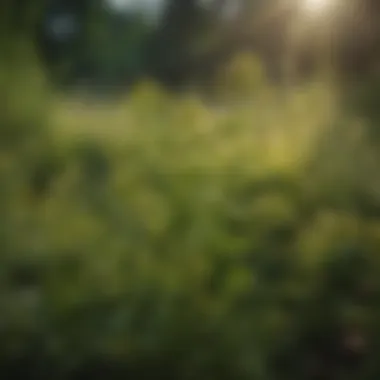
(159, 237)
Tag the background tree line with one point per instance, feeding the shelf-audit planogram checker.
(192, 40)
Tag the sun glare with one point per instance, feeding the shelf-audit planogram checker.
(316, 5)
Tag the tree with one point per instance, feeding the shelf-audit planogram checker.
(183, 26)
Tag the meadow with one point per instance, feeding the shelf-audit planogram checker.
(157, 236)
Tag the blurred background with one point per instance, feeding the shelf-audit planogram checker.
(190, 189)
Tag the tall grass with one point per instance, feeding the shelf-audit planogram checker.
(160, 237)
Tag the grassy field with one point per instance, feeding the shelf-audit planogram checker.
(157, 234)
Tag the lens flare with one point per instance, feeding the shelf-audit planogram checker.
(314, 6)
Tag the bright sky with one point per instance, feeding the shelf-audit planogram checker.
(149, 5)
(153, 8)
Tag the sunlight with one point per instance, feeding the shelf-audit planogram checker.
(314, 6)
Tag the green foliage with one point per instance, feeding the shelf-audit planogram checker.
(162, 237)
(241, 78)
